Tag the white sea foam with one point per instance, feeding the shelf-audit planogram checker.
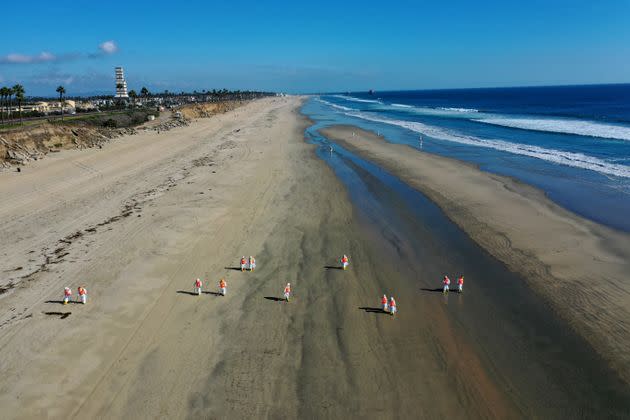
(576, 160)
(551, 125)
(459, 109)
(353, 99)
(341, 107)
(582, 128)
(437, 112)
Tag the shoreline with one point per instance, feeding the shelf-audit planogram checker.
(144, 348)
(572, 267)
(166, 209)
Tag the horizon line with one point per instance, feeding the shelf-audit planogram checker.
(467, 88)
(96, 93)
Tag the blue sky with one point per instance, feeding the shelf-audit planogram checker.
(310, 47)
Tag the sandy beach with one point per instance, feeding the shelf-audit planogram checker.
(580, 267)
(138, 220)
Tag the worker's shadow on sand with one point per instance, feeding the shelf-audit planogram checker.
(62, 315)
(373, 310)
(212, 293)
(61, 301)
(439, 289)
(275, 299)
(233, 268)
(333, 267)
(186, 292)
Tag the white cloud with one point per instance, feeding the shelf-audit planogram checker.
(108, 47)
(105, 48)
(27, 59)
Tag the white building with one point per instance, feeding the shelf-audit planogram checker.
(121, 84)
(44, 107)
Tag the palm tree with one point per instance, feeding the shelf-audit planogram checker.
(144, 92)
(18, 90)
(133, 95)
(4, 92)
(61, 91)
(9, 94)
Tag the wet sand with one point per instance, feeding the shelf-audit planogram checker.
(139, 220)
(577, 266)
(515, 340)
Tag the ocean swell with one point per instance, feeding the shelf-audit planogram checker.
(341, 107)
(353, 99)
(581, 128)
(459, 109)
(576, 160)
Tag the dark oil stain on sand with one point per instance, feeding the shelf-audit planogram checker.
(537, 361)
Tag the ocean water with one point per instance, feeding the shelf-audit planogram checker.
(572, 142)
(549, 369)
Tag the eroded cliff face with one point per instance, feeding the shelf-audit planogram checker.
(20, 145)
(24, 144)
(204, 110)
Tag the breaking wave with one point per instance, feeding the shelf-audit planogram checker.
(341, 107)
(582, 128)
(576, 160)
(458, 109)
(551, 125)
(353, 99)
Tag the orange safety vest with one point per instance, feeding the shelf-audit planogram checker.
(243, 261)
(392, 303)
(344, 259)
(383, 300)
(198, 283)
(460, 281)
(287, 290)
(82, 291)
(67, 292)
(222, 284)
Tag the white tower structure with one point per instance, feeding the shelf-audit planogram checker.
(121, 84)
